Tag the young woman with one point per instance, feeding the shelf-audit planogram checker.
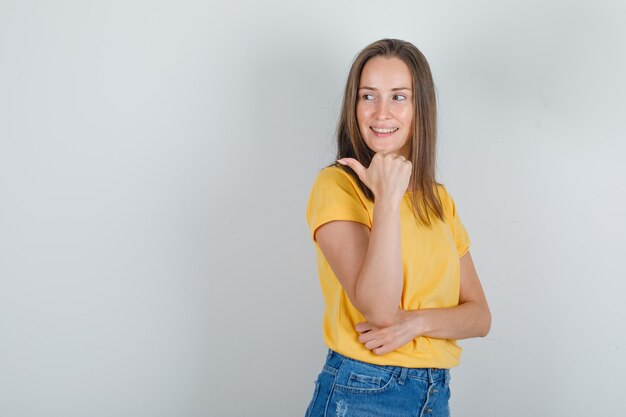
(394, 265)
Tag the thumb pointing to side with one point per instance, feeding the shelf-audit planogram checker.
(356, 166)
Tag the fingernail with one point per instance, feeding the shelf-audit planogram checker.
(341, 161)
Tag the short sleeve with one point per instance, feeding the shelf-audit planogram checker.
(335, 197)
(461, 237)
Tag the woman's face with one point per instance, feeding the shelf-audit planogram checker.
(384, 108)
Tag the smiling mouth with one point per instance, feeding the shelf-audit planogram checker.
(384, 131)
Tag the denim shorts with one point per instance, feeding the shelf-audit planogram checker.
(350, 388)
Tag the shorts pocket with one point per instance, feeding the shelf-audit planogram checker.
(364, 381)
(360, 378)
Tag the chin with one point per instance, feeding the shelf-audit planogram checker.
(386, 149)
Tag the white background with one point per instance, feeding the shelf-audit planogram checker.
(155, 163)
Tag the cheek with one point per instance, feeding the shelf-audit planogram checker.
(407, 115)
(361, 114)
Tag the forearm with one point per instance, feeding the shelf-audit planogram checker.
(469, 319)
(380, 282)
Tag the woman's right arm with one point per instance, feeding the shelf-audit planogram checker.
(367, 263)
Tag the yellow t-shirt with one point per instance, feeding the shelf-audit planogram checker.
(430, 263)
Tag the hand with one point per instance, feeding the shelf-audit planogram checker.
(381, 340)
(387, 176)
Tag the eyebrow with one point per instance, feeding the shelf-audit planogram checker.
(375, 89)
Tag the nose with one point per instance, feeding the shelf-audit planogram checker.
(383, 110)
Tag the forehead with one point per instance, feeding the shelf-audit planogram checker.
(386, 72)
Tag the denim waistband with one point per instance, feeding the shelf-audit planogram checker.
(334, 361)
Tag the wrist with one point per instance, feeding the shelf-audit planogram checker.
(387, 205)
(410, 322)
(419, 323)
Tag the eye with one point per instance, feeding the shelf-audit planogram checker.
(399, 97)
(367, 97)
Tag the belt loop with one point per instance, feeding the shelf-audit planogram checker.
(403, 373)
(431, 375)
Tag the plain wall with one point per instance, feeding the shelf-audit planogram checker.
(155, 164)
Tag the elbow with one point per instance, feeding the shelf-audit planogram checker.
(376, 311)
(486, 324)
(379, 317)
(380, 320)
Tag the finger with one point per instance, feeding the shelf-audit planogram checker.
(367, 337)
(356, 167)
(381, 350)
(363, 327)
(373, 344)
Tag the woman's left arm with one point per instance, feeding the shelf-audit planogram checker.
(471, 318)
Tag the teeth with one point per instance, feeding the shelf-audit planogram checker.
(377, 130)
